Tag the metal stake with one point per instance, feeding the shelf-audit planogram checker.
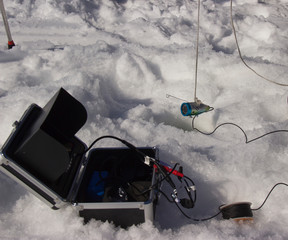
(9, 36)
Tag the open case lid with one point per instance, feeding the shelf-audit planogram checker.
(43, 146)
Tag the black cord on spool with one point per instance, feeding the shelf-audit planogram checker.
(237, 211)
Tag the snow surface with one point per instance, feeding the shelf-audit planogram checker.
(120, 59)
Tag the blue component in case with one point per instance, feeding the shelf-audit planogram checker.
(96, 186)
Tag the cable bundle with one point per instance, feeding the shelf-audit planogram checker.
(239, 211)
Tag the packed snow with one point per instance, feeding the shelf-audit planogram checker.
(120, 59)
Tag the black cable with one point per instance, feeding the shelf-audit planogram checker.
(164, 194)
(100, 138)
(193, 184)
(196, 219)
(241, 210)
(129, 145)
(277, 184)
(157, 183)
(190, 188)
(233, 124)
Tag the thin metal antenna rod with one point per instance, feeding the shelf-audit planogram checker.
(169, 95)
(197, 52)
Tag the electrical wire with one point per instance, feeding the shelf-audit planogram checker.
(240, 54)
(277, 184)
(253, 209)
(165, 195)
(129, 145)
(196, 219)
(158, 182)
(234, 124)
(246, 141)
(193, 184)
(98, 139)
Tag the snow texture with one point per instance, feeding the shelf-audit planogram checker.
(120, 59)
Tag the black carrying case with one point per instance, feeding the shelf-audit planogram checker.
(43, 154)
